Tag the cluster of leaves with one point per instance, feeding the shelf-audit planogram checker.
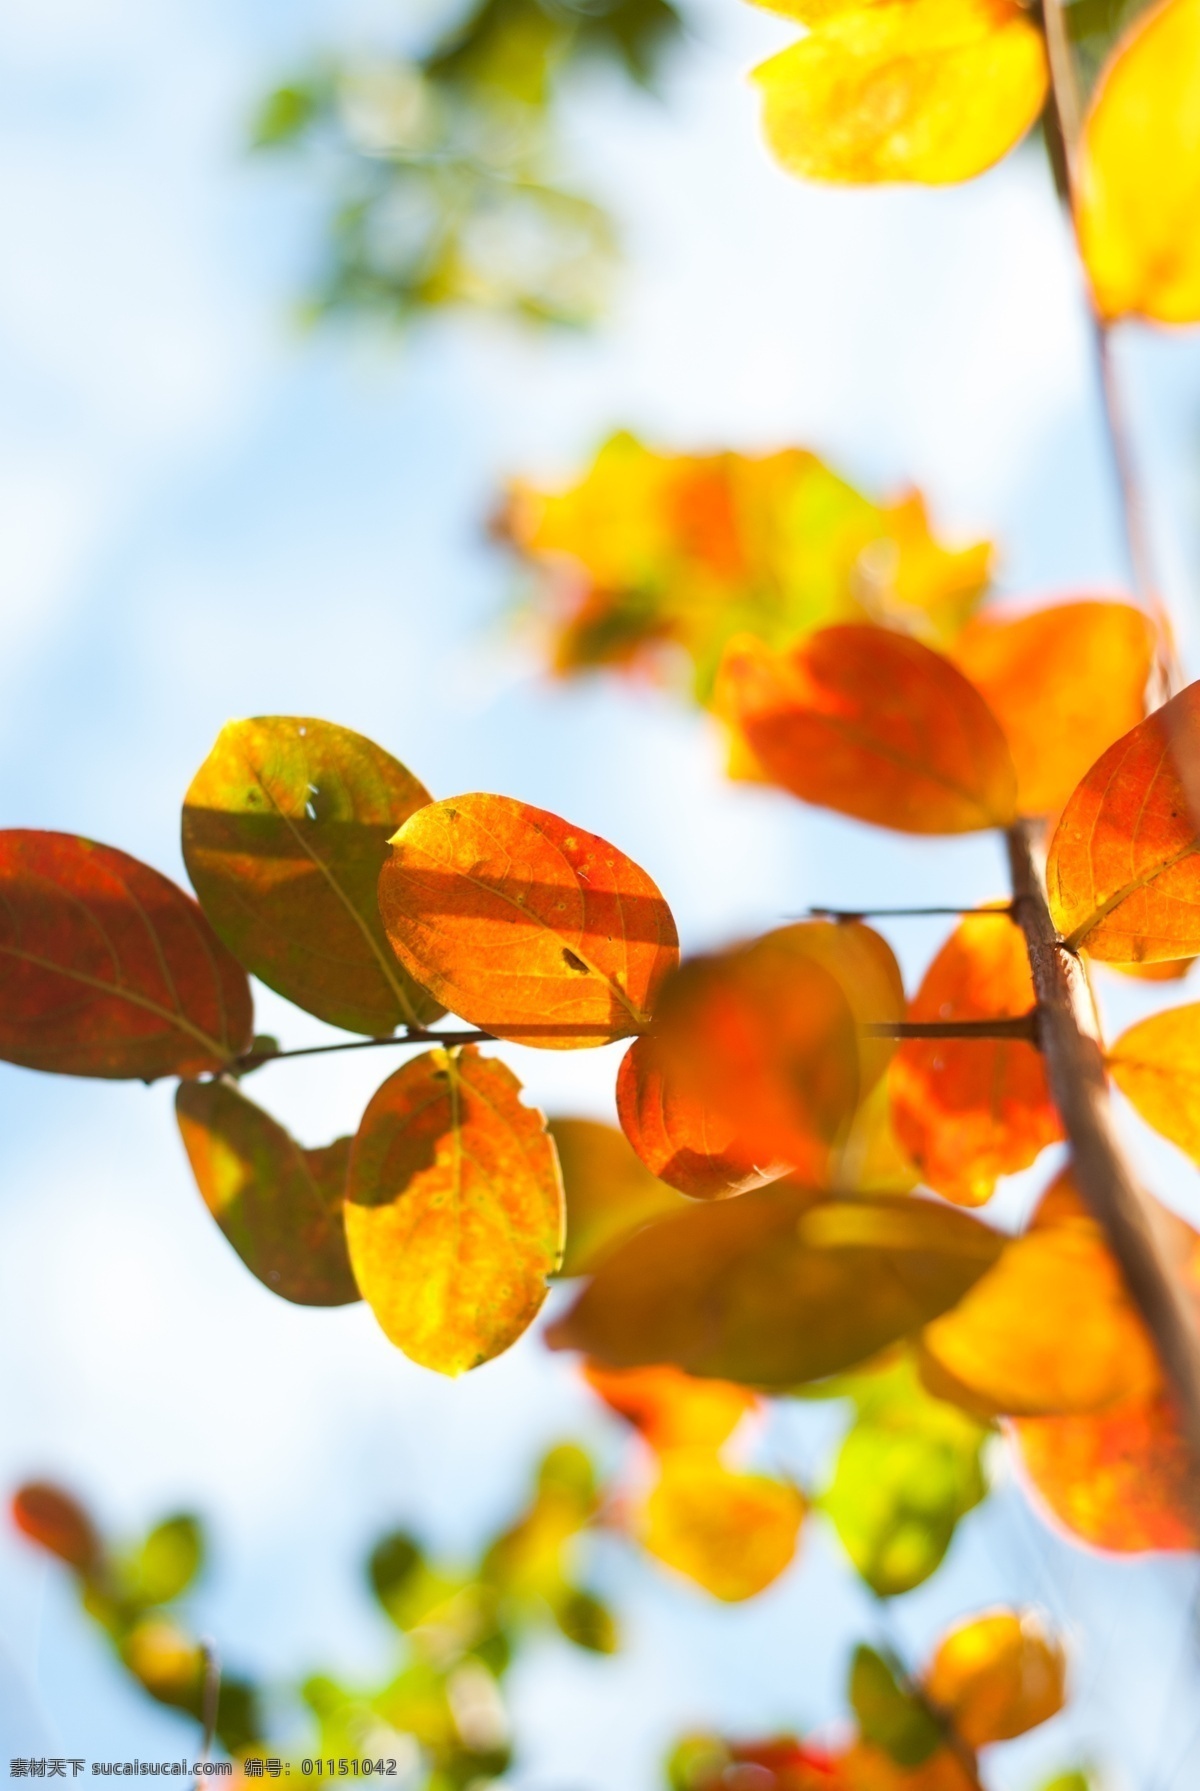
(441, 167)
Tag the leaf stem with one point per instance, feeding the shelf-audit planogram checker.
(210, 1698)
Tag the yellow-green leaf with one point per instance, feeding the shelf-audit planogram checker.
(1156, 1065)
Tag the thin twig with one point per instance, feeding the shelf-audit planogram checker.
(1006, 1026)
(1003, 908)
(253, 1060)
(210, 1699)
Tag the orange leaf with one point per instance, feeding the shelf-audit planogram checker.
(677, 1137)
(1049, 1329)
(109, 969)
(525, 926)
(1063, 683)
(1121, 1480)
(278, 1205)
(872, 724)
(778, 1286)
(1139, 187)
(997, 1676)
(58, 1523)
(867, 1768)
(671, 1409)
(609, 1192)
(731, 1533)
(285, 830)
(968, 1110)
(1156, 1065)
(930, 90)
(454, 1209)
(1123, 875)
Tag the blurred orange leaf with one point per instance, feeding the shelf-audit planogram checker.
(731, 1533)
(1123, 873)
(930, 90)
(609, 1191)
(1139, 185)
(525, 926)
(997, 1676)
(1156, 1065)
(454, 1209)
(278, 1205)
(672, 1410)
(109, 969)
(58, 1523)
(285, 830)
(680, 1139)
(1064, 683)
(777, 1287)
(872, 724)
(968, 1110)
(867, 1768)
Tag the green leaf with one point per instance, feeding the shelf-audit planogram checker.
(889, 1715)
(585, 1620)
(168, 1561)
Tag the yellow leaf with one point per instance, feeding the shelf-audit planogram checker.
(731, 1533)
(1139, 187)
(609, 1192)
(672, 1410)
(1156, 1065)
(930, 90)
(997, 1676)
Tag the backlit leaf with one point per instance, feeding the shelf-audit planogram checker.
(1139, 185)
(525, 926)
(731, 1533)
(1121, 1480)
(968, 1110)
(454, 1209)
(109, 969)
(1156, 1065)
(679, 1138)
(997, 1676)
(280, 1207)
(285, 831)
(58, 1523)
(872, 1159)
(778, 1286)
(932, 91)
(1123, 872)
(1064, 683)
(168, 1560)
(672, 1410)
(609, 1192)
(1051, 1327)
(890, 1715)
(872, 724)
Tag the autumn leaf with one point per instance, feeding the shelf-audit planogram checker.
(1123, 875)
(997, 1675)
(285, 831)
(1051, 1327)
(874, 725)
(278, 1205)
(454, 1209)
(872, 1160)
(609, 1191)
(1121, 1480)
(525, 926)
(107, 968)
(58, 1523)
(777, 1287)
(891, 1715)
(1139, 181)
(1156, 1065)
(1063, 682)
(670, 1409)
(968, 1110)
(933, 91)
(679, 1138)
(732, 1533)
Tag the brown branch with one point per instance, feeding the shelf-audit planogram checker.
(1007, 1026)
(1079, 1086)
(414, 1035)
(892, 913)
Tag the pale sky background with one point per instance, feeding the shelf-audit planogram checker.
(205, 514)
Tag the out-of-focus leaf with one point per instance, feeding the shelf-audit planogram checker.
(454, 1209)
(167, 1561)
(734, 1534)
(781, 1763)
(1123, 871)
(867, 1768)
(872, 1160)
(526, 926)
(609, 1193)
(58, 1523)
(874, 725)
(285, 831)
(908, 1469)
(107, 968)
(681, 1140)
(969, 1110)
(672, 1410)
(1156, 1065)
(167, 1660)
(893, 92)
(890, 1715)
(1139, 184)
(587, 1621)
(997, 1676)
(1051, 1328)
(1167, 970)
(280, 1207)
(1064, 683)
(1121, 1480)
(777, 1287)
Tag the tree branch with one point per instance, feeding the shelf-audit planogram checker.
(414, 1035)
(1007, 1026)
(893, 913)
(1079, 1086)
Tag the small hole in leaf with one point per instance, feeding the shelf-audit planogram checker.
(574, 963)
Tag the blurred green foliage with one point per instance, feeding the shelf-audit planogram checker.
(441, 169)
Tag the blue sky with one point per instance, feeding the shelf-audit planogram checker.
(206, 514)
